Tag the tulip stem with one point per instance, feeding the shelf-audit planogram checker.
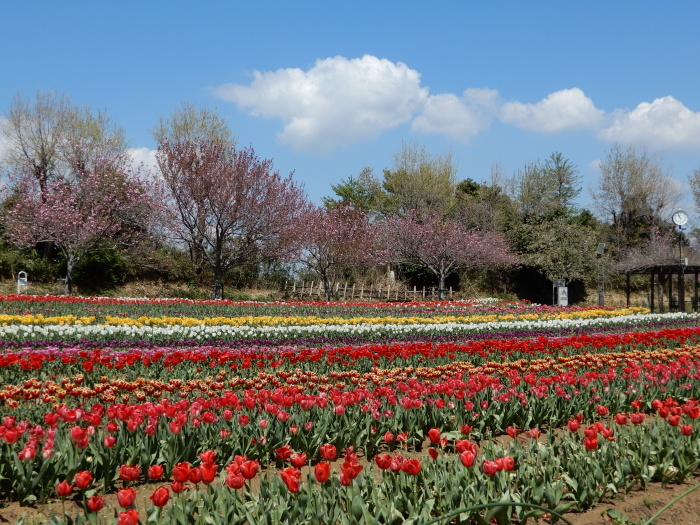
(498, 504)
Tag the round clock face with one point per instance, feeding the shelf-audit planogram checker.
(680, 218)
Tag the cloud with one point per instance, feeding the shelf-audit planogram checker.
(458, 118)
(4, 143)
(335, 103)
(143, 157)
(664, 123)
(568, 109)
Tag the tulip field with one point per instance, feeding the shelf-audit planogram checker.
(475, 412)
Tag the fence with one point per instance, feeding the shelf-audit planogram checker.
(345, 292)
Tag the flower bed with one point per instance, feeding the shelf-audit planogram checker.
(330, 432)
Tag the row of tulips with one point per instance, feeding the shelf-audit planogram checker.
(150, 362)
(562, 473)
(207, 332)
(44, 439)
(76, 415)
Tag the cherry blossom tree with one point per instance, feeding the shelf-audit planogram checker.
(442, 246)
(107, 208)
(329, 238)
(229, 204)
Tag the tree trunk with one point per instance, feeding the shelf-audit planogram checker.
(441, 292)
(218, 288)
(327, 287)
(68, 288)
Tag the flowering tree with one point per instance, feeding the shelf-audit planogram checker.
(328, 238)
(442, 246)
(229, 204)
(106, 208)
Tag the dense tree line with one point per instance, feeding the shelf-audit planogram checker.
(75, 208)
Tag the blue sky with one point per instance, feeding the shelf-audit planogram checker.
(327, 88)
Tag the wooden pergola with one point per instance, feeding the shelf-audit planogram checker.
(670, 270)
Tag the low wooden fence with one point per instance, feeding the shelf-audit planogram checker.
(310, 291)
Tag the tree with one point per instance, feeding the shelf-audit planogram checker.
(559, 248)
(441, 246)
(194, 125)
(330, 238)
(635, 192)
(485, 206)
(53, 139)
(190, 123)
(364, 192)
(546, 189)
(420, 182)
(109, 208)
(229, 203)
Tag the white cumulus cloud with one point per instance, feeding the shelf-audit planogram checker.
(568, 109)
(458, 118)
(143, 157)
(337, 102)
(664, 123)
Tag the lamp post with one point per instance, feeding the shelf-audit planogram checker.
(601, 274)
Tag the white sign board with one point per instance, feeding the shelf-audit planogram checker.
(563, 296)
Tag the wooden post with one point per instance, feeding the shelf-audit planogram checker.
(301, 294)
(627, 289)
(362, 291)
(414, 293)
(352, 295)
(311, 290)
(450, 293)
(651, 292)
(424, 293)
(388, 291)
(345, 289)
(371, 289)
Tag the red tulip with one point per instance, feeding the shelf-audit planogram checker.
(298, 459)
(322, 471)
(291, 477)
(434, 435)
(674, 421)
(573, 425)
(283, 453)
(181, 472)
(433, 453)
(590, 443)
(234, 481)
(249, 468)
(160, 497)
(83, 479)
(207, 472)
(328, 452)
(95, 503)
(383, 461)
(467, 458)
(155, 472)
(178, 487)
(129, 472)
(686, 430)
(208, 456)
(63, 489)
(109, 441)
(126, 497)
(411, 466)
(489, 467)
(602, 410)
(195, 475)
(128, 517)
(621, 419)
